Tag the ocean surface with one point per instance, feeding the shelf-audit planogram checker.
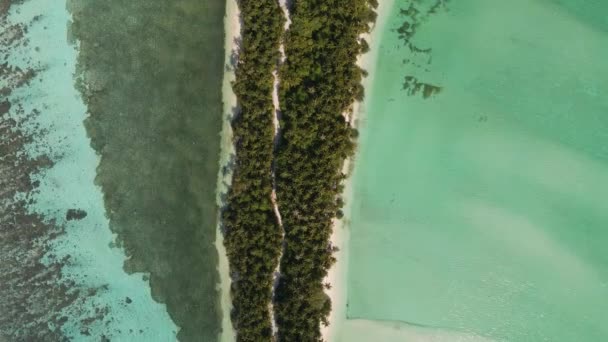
(479, 209)
(110, 113)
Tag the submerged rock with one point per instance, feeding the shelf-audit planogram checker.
(75, 214)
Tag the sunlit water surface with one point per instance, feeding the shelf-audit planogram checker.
(479, 208)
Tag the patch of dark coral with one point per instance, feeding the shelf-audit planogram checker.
(32, 293)
(414, 87)
(13, 77)
(415, 15)
(75, 214)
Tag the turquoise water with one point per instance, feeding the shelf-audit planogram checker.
(110, 114)
(67, 281)
(479, 210)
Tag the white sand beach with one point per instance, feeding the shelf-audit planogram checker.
(337, 275)
(232, 27)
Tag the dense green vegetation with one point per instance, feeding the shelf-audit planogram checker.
(252, 234)
(320, 81)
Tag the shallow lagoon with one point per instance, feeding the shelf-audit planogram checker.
(68, 281)
(111, 161)
(479, 209)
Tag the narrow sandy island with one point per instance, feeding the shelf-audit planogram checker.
(232, 23)
(232, 27)
(340, 236)
(337, 275)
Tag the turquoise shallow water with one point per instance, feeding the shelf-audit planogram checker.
(479, 209)
(68, 281)
(109, 137)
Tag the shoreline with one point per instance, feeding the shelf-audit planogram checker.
(232, 28)
(340, 237)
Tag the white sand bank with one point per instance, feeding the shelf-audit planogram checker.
(386, 331)
(232, 27)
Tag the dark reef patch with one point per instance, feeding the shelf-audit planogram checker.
(416, 14)
(151, 75)
(32, 293)
(75, 214)
(414, 86)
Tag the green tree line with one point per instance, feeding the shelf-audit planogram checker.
(251, 234)
(319, 82)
